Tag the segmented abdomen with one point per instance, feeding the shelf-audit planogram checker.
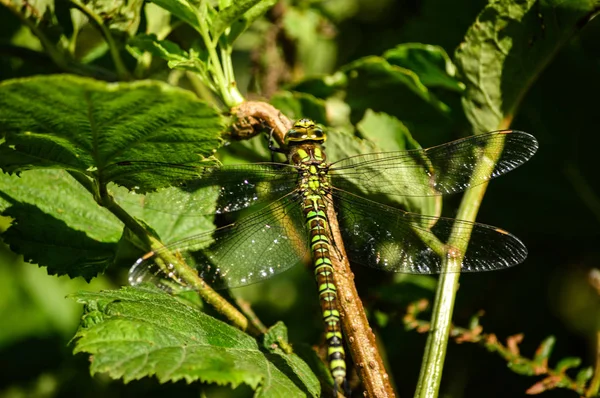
(316, 220)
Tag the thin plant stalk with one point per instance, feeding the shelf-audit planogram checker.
(190, 276)
(437, 342)
(112, 46)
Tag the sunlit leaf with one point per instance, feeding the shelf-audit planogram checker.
(135, 333)
(83, 125)
(507, 48)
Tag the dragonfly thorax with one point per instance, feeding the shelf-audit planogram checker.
(304, 143)
(303, 131)
(308, 154)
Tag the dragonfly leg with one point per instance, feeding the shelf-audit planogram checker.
(273, 148)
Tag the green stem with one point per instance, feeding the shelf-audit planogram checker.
(594, 386)
(249, 313)
(437, 342)
(220, 67)
(435, 349)
(186, 273)
(232, 88)
(215, 67)
(201, 89)
(114, 51)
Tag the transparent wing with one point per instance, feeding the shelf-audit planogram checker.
(257, 247)
(393, 240)
(443, 169)
(235, 186)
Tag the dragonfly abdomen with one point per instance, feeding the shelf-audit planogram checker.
(316, 221)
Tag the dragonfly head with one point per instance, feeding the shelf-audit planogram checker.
(303, 131)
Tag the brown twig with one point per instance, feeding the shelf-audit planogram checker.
(359, 336)
(537, 366)
(254, 115)
(247, 310)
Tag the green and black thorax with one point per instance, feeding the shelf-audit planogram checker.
(304, 147)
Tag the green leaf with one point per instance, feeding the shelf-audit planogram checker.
(374, 83)
(584, 375)
(277, 334)
(321, 86)
(135, 333)
(83, 125)
(66, 212)
(386, 132)
(56, 193)
(182, 9)
(431, 63)
(274, 336)
(122, 16)
(389, 133)
(158, 20)
(165, 49)
(228, 15)
(91, 129)
(567, 363)
(44, 240)
(65, 231)
(315, 46)
(507, 48)
(239, 16)
(174, 213)
(544, 350)
(299, 105)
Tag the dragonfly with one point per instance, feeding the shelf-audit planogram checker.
(291, 222)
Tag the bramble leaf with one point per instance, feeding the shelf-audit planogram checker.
(135, 333)
(95, 131)
(299, 105)
(272, 338)
(507, 48)
(44, 240)
(381, 129)
(431, 63)
(182, 9)
(374, 83)
(167, 50)
(57, 224)
(88, 126)
(239, 15)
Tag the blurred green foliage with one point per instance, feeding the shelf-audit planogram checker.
(294, 55)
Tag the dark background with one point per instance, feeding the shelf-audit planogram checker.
(552, 204)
